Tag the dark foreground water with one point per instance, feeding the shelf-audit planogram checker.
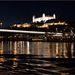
(41, 58)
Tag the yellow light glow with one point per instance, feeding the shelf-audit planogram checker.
(14, 25)
(18, 26)
(0, 23)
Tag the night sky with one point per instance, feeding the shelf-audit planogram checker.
(12, 12)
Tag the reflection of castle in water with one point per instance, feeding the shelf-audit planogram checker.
(44, 49)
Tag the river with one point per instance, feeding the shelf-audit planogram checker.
(24, 57)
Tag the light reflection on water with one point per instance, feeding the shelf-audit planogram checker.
(44, 49)
(28, 64)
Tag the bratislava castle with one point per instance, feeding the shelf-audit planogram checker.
(44, 18)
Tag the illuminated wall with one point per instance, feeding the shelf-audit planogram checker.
(21, 25)
(45, 25)
(43, 18)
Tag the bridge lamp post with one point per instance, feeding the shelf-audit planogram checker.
(63, 32)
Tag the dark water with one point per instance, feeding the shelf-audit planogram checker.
(41, 58)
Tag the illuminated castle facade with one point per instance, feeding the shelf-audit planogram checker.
(44, 18)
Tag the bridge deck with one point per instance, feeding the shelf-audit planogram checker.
(30, 32)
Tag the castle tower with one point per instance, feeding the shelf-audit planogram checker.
(43, 15)
(54, 16)
(33, 18)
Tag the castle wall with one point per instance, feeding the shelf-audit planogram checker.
(43, 18)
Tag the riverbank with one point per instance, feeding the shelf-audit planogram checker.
(40, 39)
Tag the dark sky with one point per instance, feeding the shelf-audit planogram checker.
(22, 11)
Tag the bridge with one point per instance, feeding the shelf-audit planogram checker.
(27, 32)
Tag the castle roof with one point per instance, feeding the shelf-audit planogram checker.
(48, 16)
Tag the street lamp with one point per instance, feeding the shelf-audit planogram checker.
(1, 25)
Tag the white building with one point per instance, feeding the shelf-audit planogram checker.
(43, 18)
